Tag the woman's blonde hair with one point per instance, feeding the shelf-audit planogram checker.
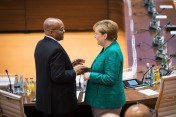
(109, 27)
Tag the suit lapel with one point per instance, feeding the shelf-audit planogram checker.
(67, 59)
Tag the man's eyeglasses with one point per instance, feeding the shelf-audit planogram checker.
(61, 29)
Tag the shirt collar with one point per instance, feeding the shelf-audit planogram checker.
(51, 38)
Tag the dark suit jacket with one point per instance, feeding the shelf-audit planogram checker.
(55, 78)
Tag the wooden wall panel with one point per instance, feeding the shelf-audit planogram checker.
(21, 15)
(76, 14)
(116, 12)
(12, 15)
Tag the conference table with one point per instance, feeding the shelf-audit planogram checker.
(133, 96)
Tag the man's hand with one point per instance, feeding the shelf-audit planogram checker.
(78, 62)
(81, 70)
(86, 76)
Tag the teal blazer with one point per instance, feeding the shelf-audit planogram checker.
(105, 88)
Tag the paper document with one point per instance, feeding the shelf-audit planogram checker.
(173, 32)
(148, 92)
(161, 17)
(4, 81)
(127, 75)
(166, 6)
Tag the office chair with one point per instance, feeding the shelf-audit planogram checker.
(11, 105)
(166, 103)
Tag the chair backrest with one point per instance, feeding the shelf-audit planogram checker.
(166, 103)
(11, 105)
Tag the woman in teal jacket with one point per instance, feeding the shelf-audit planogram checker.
(105, 91)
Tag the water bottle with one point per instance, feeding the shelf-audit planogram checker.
(32, 85)
(147, 75)
(152, 74)
(16, 85)
(85, 85)
(27, 87)
(21, 84)
(157, 75)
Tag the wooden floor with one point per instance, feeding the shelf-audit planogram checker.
(17, 50)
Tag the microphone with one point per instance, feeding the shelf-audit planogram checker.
(139, 44)
(147, 72)
(156, 40)
(162, 29)
(160, 11)
(168, 40)
(159, 52)
(10, 90)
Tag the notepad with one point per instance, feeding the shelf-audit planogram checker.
(148, 92)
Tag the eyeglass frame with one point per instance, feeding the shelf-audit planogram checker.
(61, 29)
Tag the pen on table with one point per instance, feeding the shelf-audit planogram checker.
(138, 87)
(141, 87)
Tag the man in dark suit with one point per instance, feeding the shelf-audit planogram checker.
(55, 76)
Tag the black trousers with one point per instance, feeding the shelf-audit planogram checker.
(71, 114)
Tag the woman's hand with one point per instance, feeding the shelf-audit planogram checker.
(86, 76)
(78, 62)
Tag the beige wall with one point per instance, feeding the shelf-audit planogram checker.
(17, 50)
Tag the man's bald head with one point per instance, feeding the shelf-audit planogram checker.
(51, 23)
(54, 27)
(110, 115)
(138, 110)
